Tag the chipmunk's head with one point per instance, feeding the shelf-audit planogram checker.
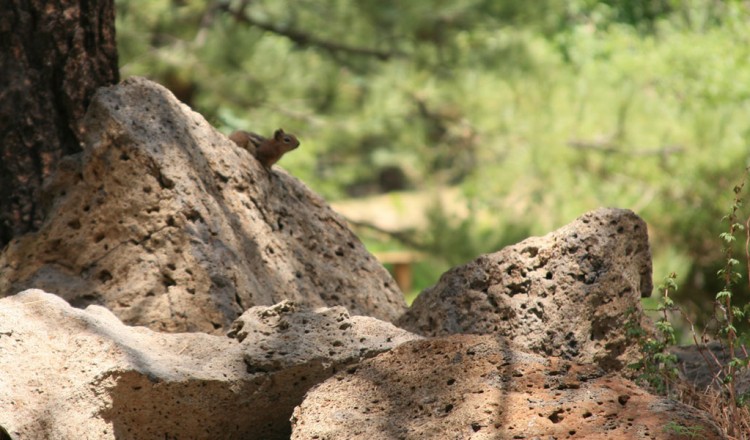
(289, 141)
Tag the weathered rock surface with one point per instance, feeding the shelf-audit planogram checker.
(476, 387)
(565, 294)
(82, 374)
(168, 224)
(285, 336)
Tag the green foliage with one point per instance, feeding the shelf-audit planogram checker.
(461, 239)
(692, 431)
(725, 318)
(538, 113)
(657, 368)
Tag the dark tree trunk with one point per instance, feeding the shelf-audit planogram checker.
(54, 54)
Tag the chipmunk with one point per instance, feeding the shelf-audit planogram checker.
(268, 151)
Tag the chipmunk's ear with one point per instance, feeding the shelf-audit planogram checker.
(278, 134)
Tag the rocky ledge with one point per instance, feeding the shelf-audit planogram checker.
(163, 226)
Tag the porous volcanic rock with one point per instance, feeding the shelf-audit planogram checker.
(82, 374)
(318, 341)
(170, 225)
(477, 387)
(565, 294)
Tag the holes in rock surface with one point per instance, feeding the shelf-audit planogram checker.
(598, 331)
(339, 252)
(220, 177)
(167, 281)
(124, 156)
(104, 276)
(147, 189)
(193, 215)
(448, 408)
(150, 293)
(165, 182)
(451, 381)
(171, 266)
(74, 224)
(86, 208)
(587, 414)
(476, 427)
(623, 399)
(170, 221)
(86, 300)
(555, 417)
(98, 237)
(252, 369)
(620, 229)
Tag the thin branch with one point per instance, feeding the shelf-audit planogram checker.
(403, 237)
(304, 39)
(609, 147)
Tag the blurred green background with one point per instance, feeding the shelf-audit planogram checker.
(455, 127)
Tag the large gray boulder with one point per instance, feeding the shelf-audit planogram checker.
(170, 225)
(82, 374)
(566, 294)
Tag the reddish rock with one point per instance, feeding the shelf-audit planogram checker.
(476, 387)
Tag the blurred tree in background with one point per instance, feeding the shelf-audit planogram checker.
(532, 112)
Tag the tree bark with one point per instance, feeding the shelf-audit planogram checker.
(54, 54)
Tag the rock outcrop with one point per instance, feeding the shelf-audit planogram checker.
(477, 387)
(70, 373)
(565, 294)
(164, 223)
(168, 224)
(286, 336)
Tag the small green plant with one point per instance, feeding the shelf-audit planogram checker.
(732, 410)
(726, 313)
(657, 367)
(689, 431)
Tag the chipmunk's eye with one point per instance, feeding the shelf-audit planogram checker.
(287, 139)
